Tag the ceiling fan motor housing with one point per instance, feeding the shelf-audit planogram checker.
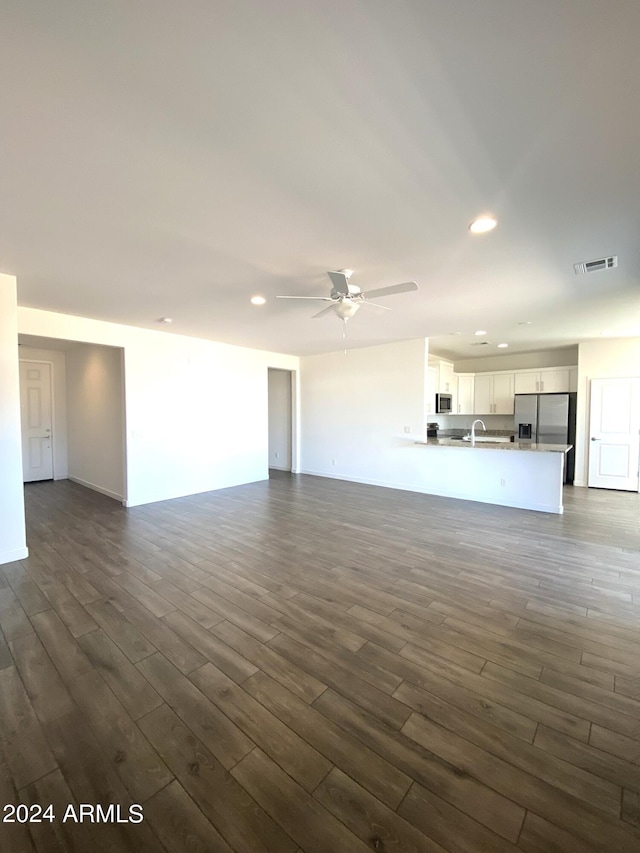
(354, 290)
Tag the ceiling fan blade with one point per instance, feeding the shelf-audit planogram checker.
(373, 304)
(326, 310)
(405, 287)
(339, 281)
(321, 298)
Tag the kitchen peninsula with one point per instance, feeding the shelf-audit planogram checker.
(516, 474)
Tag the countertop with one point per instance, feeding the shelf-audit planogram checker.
(501, 445)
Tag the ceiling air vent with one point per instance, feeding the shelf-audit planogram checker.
(479, 344)
(594, 266)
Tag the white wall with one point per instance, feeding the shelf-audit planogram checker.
(59, 399)
(13, 544)
(355, 408)
(561, 357)
(280, 419)
(95, 398)
(601, 359)
(196, 410)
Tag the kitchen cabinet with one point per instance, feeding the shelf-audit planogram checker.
(441, 380)
(493, 394)
(527, 383)
(447, 380)
(542, 381)
(432, 390)
(465, 402)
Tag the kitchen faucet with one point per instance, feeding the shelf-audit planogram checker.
(473, 430)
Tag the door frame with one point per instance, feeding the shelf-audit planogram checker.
(293, 417)
(587, 437)
(54, 420)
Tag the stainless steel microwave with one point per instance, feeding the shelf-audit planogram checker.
(443, 404)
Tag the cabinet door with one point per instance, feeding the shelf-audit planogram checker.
(432, 389)
(447, 378)
(554, 381)
(465, 395)
(503, 402)
(527, 383)
(483, 394)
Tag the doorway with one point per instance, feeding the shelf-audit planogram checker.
(280, 419)
(614, 434)
(86, 422)
(36, 419)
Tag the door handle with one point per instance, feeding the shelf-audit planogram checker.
(595, 439)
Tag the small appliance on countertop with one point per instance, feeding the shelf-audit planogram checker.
(432, 429)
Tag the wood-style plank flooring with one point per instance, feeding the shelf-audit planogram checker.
(312, 665)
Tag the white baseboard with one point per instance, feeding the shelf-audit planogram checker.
(281, 468)
(95, 488)
(12, 556)
(387, 484)
(64, 476)
(405, 487)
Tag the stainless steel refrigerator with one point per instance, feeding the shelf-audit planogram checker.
(548, 419)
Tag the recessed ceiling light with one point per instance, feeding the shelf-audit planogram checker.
(167, 321)
(502, 346)
(258, 300)
(482, 224)
(480, 332)
(455, 333)
(525, 323)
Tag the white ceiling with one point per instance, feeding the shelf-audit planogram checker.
(173, 159)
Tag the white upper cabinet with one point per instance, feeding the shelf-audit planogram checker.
(449, 383)
(549, 381)
(432, 390)
(483, 394)
(441, 380)
(465, 394)
(447, 378)
(527, 383)
(503, 402)
(553, 381)
(493, 394)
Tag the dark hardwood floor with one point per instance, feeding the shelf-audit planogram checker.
(320, 666)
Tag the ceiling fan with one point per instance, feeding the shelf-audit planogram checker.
(347, 298)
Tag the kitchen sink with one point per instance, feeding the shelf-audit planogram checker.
(495, 440)
(489, 439)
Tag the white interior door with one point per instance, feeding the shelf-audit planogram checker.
(614, 434)
(35, 412)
